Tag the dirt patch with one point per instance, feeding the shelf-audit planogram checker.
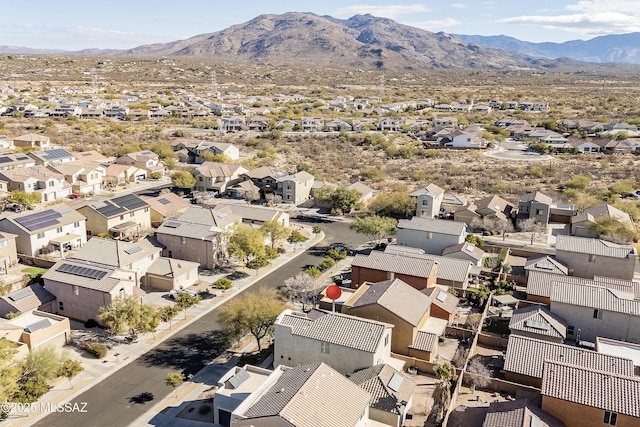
(198, 410)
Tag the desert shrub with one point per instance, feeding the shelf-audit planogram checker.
(99, 351)
(336, 254)
(258, 263)
(30, 391)
(326, 263)
(316, 229)
(223, 283)
(313, 271)
(91, 323)
(271, 253)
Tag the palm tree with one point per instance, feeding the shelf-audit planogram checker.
(446, 374)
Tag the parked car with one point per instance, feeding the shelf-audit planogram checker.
(173, 293)
(75, 196)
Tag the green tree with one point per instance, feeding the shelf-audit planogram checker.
(326, 263)
(167, 313)
(184, 300)
(246, 243)
(476, 240)
(223, 283)
(69, 369)
(252, 312)
(313, 271)
(375, 227)
(23, 198)
(296, 237)
(275, 231)
(609, 228)
(340, 199)
(42, 364)
(9, 373)
(183, 179)
(128, 312)
(175, 380)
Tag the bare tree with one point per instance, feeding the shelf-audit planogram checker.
(533, 228)
(477, 374)
(302, 289)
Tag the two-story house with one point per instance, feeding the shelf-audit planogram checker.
(84, 177)
(52, 157)
(146, 160)
(430, 235)
(56, 228)
(265, 178)
(37, 179)
(429, 201)
(33, 140)
(585, 257)
(122, 217)
(295, 188)
(213, 176)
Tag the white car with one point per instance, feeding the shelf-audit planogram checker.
(173, 293)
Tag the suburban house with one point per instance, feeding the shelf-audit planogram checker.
(518, 413)
(14, 161)
(33, 140)
(136, 257)
(429, 201)
(54, 156)
(37, 179)
(198, 235)
(391, 393)
(165, 206)
(465, 251)
(84, 177)
(300, 397)
(492, 207)
(586, 396)
(255, 215)
(443, 303)
(418, 272)
(464, 139)
(295, 188)
(581, 224)
(346, 343)
(431, 235)
(367, 193)
(234, 386)
(596, 311)
(525, 358)
(450, 272)
(545, 264)
(26, 300)
(8, 251)
(312, 124)
(535, 205)
(121, 174)
(587, 258)
(168, 273)
(123, 217)
(145, 160)
(81, 288)
(231, 124)
(537, 321)
(56, 228)
(265, 178)
(36, 329)
(415, 332)
(213, 176)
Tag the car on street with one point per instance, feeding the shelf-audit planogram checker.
(173, 293)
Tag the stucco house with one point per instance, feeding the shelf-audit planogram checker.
(429, 201)
(430, 235)
(55, 156)
(37, 329)
(32, 140)
(443, 303)
(83, 177)
(26, 300)
(377, 266)
(518, 413)
(535, 205)
(581, 224)
(168, 273)
(8, 251)
(585, 257)
(165, 206)
(537, 321)
(295, 188)
(213, 176)
(145, 160)
(56, 228)
(595, 397)
(465, 251)
(123, 217)
(37, 179)
(346, 343)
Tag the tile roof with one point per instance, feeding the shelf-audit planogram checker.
(340, 329)
(466, 248)
(596, 212)
(440, 226)
(538, 320)
(116, 253)
(29, 298)
(110, 208)
(189, 230)
(593, 247)
(104, 284)
(431, 189)
(593, 388)
(546, 264)
(390, 389)
(397, 297)
(168, 204)
(526, 356)
(540, 283)
(441, 298)
(424, 341)
(518, 413)
(312, 395)
(536, 196)
(59, 215)
(399, 264)
(216, 169)
(597, 296)
(448, 268)
(170, 267)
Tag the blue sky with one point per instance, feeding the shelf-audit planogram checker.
(118, 24)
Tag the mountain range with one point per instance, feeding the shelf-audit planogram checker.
(362, 41)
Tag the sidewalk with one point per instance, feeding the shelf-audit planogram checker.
(95, 370)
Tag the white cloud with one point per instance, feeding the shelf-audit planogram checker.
(436, 25)
(458, 5)
(392, 11)
(588, 18)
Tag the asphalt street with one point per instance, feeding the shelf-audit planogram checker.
(131, 391)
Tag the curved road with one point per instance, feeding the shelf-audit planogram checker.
(128, 393)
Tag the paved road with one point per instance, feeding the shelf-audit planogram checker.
(130, 392)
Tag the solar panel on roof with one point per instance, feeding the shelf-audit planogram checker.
(64, 210)
(163, 201)
(18, 295)
(132, 250)
(537, 325)
(129, 201)
(21, 157)
(40, 324)
(395, 382)
(77, 270)
(239, 378)
(5, 160)
(56, 153)
(442, 296)
(39, 220)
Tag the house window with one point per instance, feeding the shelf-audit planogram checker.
(52, 183)
(539, 211)
(570, 330)
(429, 236)
(131, 215)
(386, 340)
(121, 217)
(4, 243)
(121, 293)
(76, 224)
(324, 347)
(59, 230)
(146, 210)
(610, 418)
(200, 179)
(40, 235)
(60, 306)
(425, 203)
(183, 240)
(592, 258)
(597, 314)
(76, 290)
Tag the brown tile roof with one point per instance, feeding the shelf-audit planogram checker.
(466, 248)
(526, 356)
(29, 298)
(340, 329)
(538, 320)
(441, 298)
(448, 268)
(399, 264)
(105, 284)
(397, 297)
(536, 196)
(518, 413)
(424, 341)
(431, 189)
(593, 388)
(390, 390)
(312, 395)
